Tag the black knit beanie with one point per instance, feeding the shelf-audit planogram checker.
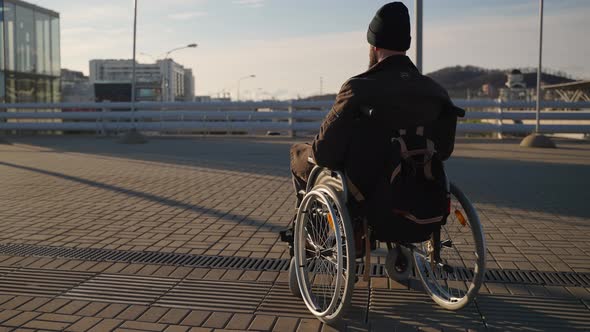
(390, 28)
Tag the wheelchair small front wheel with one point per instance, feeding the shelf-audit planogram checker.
(324, 254)
(455, 280)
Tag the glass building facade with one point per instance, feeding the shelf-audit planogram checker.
(30, 58)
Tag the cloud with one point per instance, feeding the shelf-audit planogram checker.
(289, 66)
(249, 3)
(187, 15)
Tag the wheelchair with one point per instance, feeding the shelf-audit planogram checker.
(323, 267)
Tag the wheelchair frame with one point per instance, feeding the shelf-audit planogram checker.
(331, 188)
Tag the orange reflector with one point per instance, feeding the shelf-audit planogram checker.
(461, 218)
(331, 221)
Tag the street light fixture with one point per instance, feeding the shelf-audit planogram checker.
(165, 82)
(240, 80)
(193, 45)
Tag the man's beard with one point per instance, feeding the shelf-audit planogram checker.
(372, 57)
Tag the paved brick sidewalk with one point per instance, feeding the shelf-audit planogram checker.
(229, 197)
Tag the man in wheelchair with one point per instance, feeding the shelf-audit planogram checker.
(386, 122)
(375, 173)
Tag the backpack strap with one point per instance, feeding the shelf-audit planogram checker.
(395, 173)
(403, 147)
(354, 190)
(428, 162)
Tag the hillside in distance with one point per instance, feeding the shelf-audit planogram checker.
(460, 79)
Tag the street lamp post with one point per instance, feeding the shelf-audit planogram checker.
(418, 30)
(539, 70)
(239, 81)
(133, 136)
(536, 139)
(133, 74)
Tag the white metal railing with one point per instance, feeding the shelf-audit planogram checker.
(484, 116)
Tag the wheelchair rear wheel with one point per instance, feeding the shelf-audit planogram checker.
(324, 254)
(455, 280)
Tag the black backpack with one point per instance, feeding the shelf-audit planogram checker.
(412, 199)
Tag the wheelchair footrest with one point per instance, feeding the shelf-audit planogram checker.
(287, 235)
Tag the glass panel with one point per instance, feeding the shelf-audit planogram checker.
(10, 25)
(55, 42)
(44, 93)
(42, 33)
(25, 89)
(2, 38)
(25, 40)
(56, 91)
(146, 93)
(2, 87)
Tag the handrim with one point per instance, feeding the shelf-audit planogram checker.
(345, 249)
(445, 297)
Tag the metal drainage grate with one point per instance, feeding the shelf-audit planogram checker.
(545, 278)
(148, 257)
(572, 279)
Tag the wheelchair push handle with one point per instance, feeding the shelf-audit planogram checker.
(458, 111)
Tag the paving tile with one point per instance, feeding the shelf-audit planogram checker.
(92, 309)
(153, 314)
(174, 316)
(218, 320)
(15, 302)
(106, 325)
(132, 312)
(8, 314)
(5, 299)
(72, 307)
(45, 325)
(58, 318)
(34, 304)
(21, 319)
(176, 328)
(112, 310)
(83, 324)
(239, 321)
(309, 325)
(195, 318)
(200, 329)
(53, 305)
(286, 324)
(262, 323)
(144, 326)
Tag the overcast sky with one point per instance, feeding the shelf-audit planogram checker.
(290, 44)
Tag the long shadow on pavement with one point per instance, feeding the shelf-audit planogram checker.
(550, 187)
(154, 198)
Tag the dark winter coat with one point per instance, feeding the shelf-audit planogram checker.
(371, 108)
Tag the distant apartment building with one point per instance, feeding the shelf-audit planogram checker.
(30, 58)
(75, 87)
(164, 80)
(189, 85)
